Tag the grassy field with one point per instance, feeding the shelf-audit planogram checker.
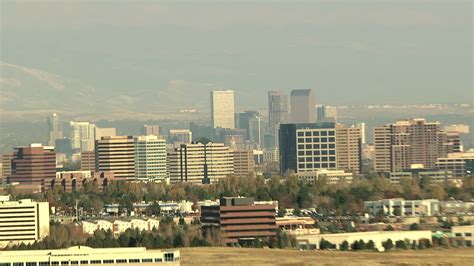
(250, 257)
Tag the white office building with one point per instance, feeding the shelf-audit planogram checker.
(82, 135)
(222, 109)
(150, 158)
(426, 207)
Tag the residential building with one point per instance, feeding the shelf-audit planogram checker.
(88, 162)
(222, 108)
(250, 121)
(180, 136)
(89, 256)
(33, 165)
(23, 221)
(399, 145)
(240, 219)
(82, 136)
(151, 130)
(331, 176)
(150, 158)
(303, 106)
(466, 232)
(453, 142)
(349, 148)
(54, 129)
(117, 155)
(244, 164)
(326, 113)
(459, 163)
(426, 207)
(200, 162)
(307, 147)
(277, 110)
(105, 132)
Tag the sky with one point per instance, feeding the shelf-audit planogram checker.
(348, 52)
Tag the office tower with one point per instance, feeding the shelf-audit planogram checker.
(63, 145)
(244, 163)
(54, 128)
(23, 221)
(151, 130)
(33, 165)
(105, 132)
(453, 142)
(307, 147)
(202, 162)
(200, 131)
(348, 148)
(251, 122)
(361, 126)
(401, 144)
(222, 108)
(277, 110)
(117, 155)
(180, 136)
(326, 113)
(302, 106)
(82, 136)
(88, 161)
(6, 167)
(236, 142)
(150, 158)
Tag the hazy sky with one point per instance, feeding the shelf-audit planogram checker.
(347, 51)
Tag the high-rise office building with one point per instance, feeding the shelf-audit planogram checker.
(150, 158)
(54, 128)
(151, 130)
(348, 148)
(251, 122)
(6, 167)
(117, 155)
(200, 163)
(277, 110)
(88, 161)
(361, 126)
(23, 221)
(326, 113)
(303, 106)
(222, 108)
(33, 165)
(307, 147)
(180, 136)
(401, 144)
(82, 136)
(105, 132)
(244, 163)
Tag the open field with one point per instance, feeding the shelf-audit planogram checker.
(250, 257)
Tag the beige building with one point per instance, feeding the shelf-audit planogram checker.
(348, 148)
(150, 158)
(82, 135)
(83, 255)
(401, 144)
(151, 130)
(180, 136)
(244, 164)
(88, 161)
(105, 132)
(200, 163)
(331, 176)
(466, 232)
(426, 207)
(23, 221)
(222, 109)
(117, 155)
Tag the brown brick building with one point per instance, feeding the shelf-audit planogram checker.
(76, 180)
(240, 219)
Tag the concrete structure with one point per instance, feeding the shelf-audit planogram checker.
(244, 163)
(427, 207)
(117, 155)
(307, 147)
(297, 225)
(378, 237)
(105, 132)
(54, 129)
(118, 227)
(82, 136)
(33, 165)
(466, 232)
(348, 148)
(150, 158)
(277, 110)
(399, 145)
(202, 162)
(303, 106)
(180, 136)
(83, 255)
(240, 219)
(151, 130)
(88, 162)
(251, 122)
(23, 221)
(75, 180)
(458, 163)
(326, 113)
(222, 108)
(331, 176)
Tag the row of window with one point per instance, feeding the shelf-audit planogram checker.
(168, 257)
(322, 140)
(465, 234)
(316, 159)
(317, 133)
(311, 153)
(317, 165)
(316, 146)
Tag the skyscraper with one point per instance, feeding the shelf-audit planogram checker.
(222, 108)
(362, 131)
(54, 128)
(105, 132)
(326, 113)
(277, 110)
(117, 155)
(151, 130)
(180, 136)
(82, 136)
(150, 158)
(303, 106)
(251, 122)
(348, 148)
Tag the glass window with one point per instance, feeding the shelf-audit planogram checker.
(301, 159)
(18, 264)
(324, 146)
(332, 152)
(108, 261)
(96, 262)
(308, 152)
(331, 139)
(158, 260)
(169, 257)
(74, 262)
(308, 146)
(324, 159)
(324, 139)
(55, 263)
(317, 165)
(300, 146)
(300, 134)
(84, 262)
(324, 165)
(324, 133)
(316, 146)
(308, 133)
(308, 139)
(147, 260)
(301, 165)
(300, 140)
(317, 159)
(331, 133)
(309, 165)
(309, 159)
(121, 261)
(5, 264)
(467, 234)
(324, 152)
(332, 159)
(300, 153)
(332, 145)
(133, 260)
(64, 263)
(31, 264)
(317, 152)
(332, 165)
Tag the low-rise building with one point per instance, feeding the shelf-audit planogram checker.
(331, 176)
(456, 206)
(427, 207)
(119, 226)
(83, 255)
(466, 232)
(297, 225)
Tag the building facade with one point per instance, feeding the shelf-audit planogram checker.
(117, 155)
(180, 136)
(151, 130)
(105, 132)
(349, 148)
(244, 163)
(427, 207)
(303, 108)
(222, 108)
(88, 161)
(331, 176)
(33, 165)
(251, 122)
(82, 136)
(54, 129)
(150, 158)
(277, 110)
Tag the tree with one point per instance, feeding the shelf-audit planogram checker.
(324, 244)
(389, 228)
(344, 246)
(153, 209)
(414, 227)
(388, 245)
(370, 245)
(400, 244)
(397, 212)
